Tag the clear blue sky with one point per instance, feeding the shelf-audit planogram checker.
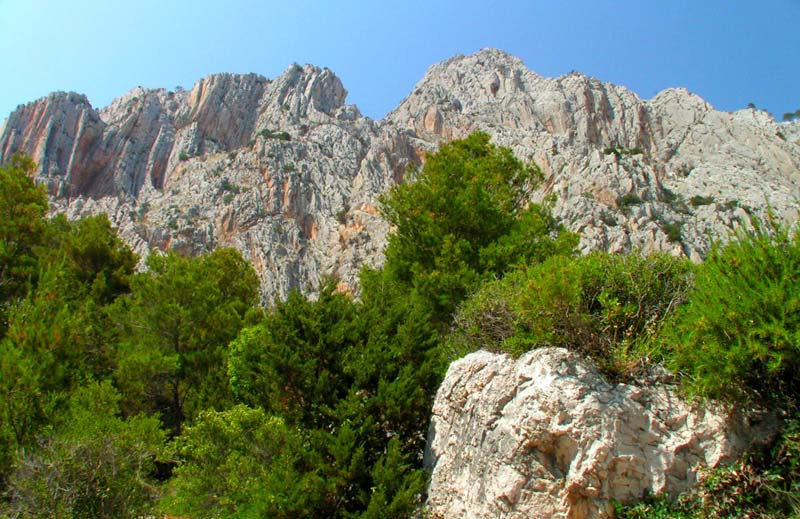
(731, 52)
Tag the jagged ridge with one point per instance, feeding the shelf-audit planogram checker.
(194, 170)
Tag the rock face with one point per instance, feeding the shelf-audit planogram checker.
(283, 170)
(288, 173)
(627, 173)
(544, 436)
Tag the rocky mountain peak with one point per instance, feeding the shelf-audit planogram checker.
(286, 171)
(310, 89)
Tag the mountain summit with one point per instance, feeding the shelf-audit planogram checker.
(288, 173)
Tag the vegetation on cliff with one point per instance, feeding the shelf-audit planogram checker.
(170, 391)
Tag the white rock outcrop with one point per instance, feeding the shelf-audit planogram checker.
(544, 436)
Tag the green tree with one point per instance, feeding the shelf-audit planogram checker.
(292, 363)
(352, 376)
(465, 215)
(58, 333)
(23, 206)
(174, 330)
(97, 261)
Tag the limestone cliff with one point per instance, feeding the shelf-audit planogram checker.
(282, 170)
(545, 436)
(659, 174)
(288, 173)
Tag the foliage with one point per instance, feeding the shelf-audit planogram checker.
(619, 151)
(673, 230)
(600, 304)
(241, 463)
(292, 362)
(629, 200)
(269, 134)
(229, 187)
(790, 116)
(464, 216)
(57, 335)
(174, 330)
(739, 336)
(23, 206)
(94, 464)
(699, 200)
(352, 376)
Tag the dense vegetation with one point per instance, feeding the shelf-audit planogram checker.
(124, 394)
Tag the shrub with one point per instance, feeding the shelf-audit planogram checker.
(673, 231)
(730, 205)
(669, 195)
(241, 463)
(698, 200)
(619, 151)
(630, 199)
(739, 337)
(183, 157)
(94, 465)
(229, 187)
(269, 134)
(608, 218)
(601, 305)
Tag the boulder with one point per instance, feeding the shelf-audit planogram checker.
(545, 436)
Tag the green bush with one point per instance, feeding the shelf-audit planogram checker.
(241, 463)
(629, 200)
(229, 187)
(739, 336)
(269, 134)
(602, 305)
(698, 200)
(673, 230)
(95, 464)
(619, 151)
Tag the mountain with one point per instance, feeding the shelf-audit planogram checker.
(289, 174)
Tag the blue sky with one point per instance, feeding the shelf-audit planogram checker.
(731, 52)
